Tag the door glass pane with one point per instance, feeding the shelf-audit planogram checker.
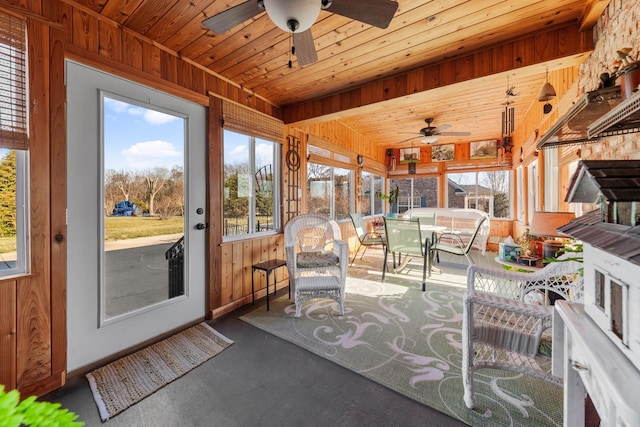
(144, 199)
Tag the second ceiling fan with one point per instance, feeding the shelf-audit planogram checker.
(429, 134)
(297, 17)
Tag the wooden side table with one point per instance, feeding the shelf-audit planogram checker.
(267, 266)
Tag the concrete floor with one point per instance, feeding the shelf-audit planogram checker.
(261, 380)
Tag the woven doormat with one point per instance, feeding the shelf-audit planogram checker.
(127, 381)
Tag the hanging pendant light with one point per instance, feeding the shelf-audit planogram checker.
(547, 92)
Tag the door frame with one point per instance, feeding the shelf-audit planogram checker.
(87, 340)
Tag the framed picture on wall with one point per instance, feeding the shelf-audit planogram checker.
(483, 149)
(409, 155)
(442, 153)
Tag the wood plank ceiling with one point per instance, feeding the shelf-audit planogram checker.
(351, 54)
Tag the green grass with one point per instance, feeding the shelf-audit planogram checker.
(122, 227)
(130, 227)
(7, 244)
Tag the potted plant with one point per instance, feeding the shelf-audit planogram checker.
(391, 198)
(628, 69)
(31, 412)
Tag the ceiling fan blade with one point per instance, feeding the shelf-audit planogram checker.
(305, 48)
(374, 12)
(454, 133)
(236, 15)
(406, 140)
(441, 128)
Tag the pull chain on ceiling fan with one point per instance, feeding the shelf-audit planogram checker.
(297, 17)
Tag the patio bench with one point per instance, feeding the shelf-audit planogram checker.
(459, 222)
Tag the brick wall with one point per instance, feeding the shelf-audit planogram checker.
(618, 27)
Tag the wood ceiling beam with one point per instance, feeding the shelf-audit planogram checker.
(593, 9)
(548, 45)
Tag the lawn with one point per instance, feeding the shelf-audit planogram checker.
(122, 227)
(129, 227)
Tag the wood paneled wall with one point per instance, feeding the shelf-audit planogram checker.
(33, 307)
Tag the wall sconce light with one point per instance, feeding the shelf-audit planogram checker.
(547, 92)
(360, 160)
(412, 168)
(392, 159)
(521, 155)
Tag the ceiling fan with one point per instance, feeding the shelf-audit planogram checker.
(297, 16)
(430, 133)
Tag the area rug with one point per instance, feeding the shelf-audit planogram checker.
(410, 341)
(130, 379)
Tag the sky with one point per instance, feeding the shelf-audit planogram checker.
(137, 138)
(236, 150)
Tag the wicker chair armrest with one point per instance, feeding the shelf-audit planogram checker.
(509, 304)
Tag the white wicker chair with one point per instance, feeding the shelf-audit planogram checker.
(317, 259)
(502, 329)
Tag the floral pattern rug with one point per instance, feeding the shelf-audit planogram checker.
(410, 341)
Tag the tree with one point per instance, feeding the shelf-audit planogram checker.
(154, 180)
(170, 200)
(498, 182)
(122, 180)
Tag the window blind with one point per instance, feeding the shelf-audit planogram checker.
(252, 123)
(13, 82)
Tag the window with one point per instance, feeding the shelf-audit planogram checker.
(415, 193)
(520, 193)
(329, 190)
(369, 204)
(14, 144)
(489, 192)
(551, 180)
(251, 190)
(532, 189)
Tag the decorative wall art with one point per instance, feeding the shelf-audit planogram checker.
(409, 155)
(442, 153)
(483, 149)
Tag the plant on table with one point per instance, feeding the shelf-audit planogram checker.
(391, 198)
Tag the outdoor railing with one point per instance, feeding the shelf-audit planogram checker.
(175, 257)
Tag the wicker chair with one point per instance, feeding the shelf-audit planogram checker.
(503, 329)
(317, 259)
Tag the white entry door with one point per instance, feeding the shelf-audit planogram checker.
(136, 168)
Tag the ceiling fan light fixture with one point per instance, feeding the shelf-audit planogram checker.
(429, 139)
(283, 12)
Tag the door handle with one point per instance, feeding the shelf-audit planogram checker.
(201, 226)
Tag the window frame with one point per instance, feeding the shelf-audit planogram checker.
(332, 186)
(491, 212)
(276, 188)
(373, 200)
(23, 235)
(14, 130)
